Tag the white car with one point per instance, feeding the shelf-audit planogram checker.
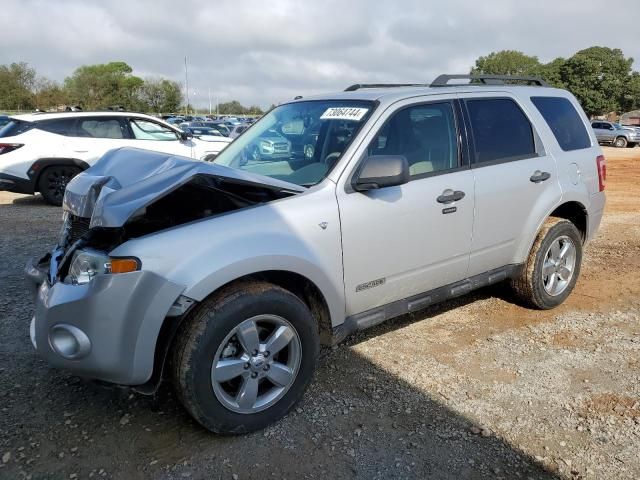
(42, 152)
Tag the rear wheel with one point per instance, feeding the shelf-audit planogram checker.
(53, 182)
(620, 142)
(551, 271)
(245, 357)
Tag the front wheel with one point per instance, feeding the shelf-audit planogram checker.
(244, 357)
(53, 182)
(552, 268)
(620, 142)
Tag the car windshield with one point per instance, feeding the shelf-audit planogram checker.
(298, 142)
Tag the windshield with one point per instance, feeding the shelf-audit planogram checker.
(298, 142)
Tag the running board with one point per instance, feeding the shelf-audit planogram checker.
(376, 316)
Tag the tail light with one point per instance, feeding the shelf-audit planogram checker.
(602, 172)
(9, 147)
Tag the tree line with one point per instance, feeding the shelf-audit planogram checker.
(601, 78)
(97, 87)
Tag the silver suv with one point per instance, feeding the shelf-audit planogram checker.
(227, 276)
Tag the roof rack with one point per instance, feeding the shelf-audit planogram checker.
(358, 86)
(443, 80)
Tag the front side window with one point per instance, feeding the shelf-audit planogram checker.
(100, 128)
(298, 142)
(146, 130)
(564, 122)
(501, 131)
(424, 134)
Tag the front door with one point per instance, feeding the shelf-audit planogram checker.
(150, 135)
(404, 240)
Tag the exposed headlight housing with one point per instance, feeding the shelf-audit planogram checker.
(87, 263)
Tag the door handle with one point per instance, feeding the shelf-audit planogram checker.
(449, 196)
(539, 176)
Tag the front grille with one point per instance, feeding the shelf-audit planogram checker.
(79, 226)
(281, 147)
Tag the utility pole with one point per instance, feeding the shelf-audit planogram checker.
(209, 101)
(186, 84)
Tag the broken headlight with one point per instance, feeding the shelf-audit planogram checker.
(86, 264)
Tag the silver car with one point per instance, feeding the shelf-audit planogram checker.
(226, 277)
(615, 134)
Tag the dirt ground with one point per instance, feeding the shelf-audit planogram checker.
(478, 387)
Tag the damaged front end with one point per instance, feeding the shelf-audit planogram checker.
(130, 193)
(103, 316)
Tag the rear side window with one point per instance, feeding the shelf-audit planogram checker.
(501, 131)
(100, 128)
(564, 121)
(61, 126)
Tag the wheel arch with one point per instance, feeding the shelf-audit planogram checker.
(302, 287)
(40, 165)
(572, 210)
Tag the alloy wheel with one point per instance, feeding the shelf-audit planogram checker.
(256, 364)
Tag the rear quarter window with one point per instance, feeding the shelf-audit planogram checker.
(15, 127)
(564, 122)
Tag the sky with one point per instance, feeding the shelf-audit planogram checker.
(268, 51)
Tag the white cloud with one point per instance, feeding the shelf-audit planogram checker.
(263, 52)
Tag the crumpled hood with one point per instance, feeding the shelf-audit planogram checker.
(126, 180)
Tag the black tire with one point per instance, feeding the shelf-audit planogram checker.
(529, 285)
(631, 145)
(620, 142)
(201, 335)
(53, 182)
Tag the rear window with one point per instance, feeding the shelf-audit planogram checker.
(501, 131)
(564, 121)
(15, 127)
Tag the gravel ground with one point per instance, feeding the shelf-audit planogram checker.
(478, 387)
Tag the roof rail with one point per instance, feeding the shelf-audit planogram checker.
(443, 80)
(358, 86)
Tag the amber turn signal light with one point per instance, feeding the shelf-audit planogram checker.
(124, 265)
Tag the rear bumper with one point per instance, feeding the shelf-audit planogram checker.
(11, 183)
(596, 210)
(106, 329)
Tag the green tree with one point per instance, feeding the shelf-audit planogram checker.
(598, 77)
(48, 94)
(507, 62)
(552, 72)
(631, 97)
(16, 85)
(103, 85)
(161, 95)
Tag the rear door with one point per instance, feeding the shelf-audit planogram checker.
(516, 180)
(88, 138)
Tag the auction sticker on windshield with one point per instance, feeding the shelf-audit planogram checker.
(344, 113)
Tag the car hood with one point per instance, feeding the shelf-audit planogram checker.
(126, 180)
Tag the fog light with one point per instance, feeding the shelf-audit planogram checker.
(69, 342)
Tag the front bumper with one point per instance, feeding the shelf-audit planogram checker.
(110, 324)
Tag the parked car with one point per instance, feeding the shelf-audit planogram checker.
(238, 269)
(203, 133)
(237, 130)
(42, 152)
(222, 127)
(615, 134)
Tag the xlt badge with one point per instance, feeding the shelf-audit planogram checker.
(371, 284)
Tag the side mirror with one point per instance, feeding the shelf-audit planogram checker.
(184, 136)
(380, 171)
